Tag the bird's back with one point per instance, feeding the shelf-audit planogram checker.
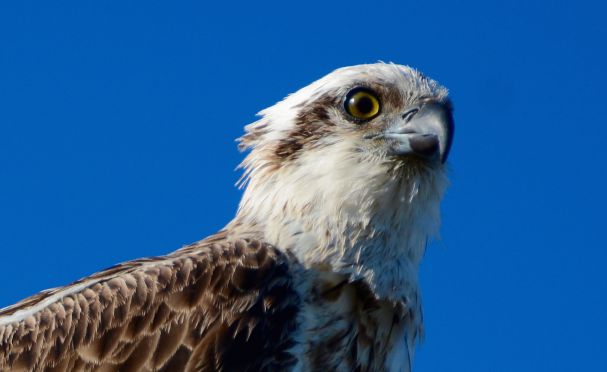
(218, 305)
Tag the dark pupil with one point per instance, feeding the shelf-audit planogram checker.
(364, 105)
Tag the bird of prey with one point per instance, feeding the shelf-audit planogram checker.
(318, 270)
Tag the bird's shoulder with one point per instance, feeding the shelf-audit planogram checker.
(220, 304)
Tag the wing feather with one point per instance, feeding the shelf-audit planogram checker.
(220, 304)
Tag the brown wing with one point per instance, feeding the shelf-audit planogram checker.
(218, 305)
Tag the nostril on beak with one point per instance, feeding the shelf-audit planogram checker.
(409, 114)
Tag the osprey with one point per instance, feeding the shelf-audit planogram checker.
(318, 269)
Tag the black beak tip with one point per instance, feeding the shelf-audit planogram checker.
(449, 138)
(425, 145)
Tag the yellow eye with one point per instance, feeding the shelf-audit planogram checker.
(362, 104)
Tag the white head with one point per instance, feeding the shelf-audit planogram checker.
(348, 172)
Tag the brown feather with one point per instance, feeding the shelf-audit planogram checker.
(220, 304)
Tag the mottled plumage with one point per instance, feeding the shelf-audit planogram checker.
(318, 270)
(215, 305)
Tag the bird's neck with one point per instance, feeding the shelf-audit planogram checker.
(376, 232)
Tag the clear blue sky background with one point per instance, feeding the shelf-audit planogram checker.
(118, 120)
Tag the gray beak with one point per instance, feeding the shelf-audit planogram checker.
(426, 131)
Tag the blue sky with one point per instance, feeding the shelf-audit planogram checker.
(118, 120)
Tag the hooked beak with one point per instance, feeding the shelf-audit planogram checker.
(426, 131)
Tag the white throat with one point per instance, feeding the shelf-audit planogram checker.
(371, 223)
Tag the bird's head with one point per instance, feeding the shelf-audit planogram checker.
(353, 160)
(381, 114)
